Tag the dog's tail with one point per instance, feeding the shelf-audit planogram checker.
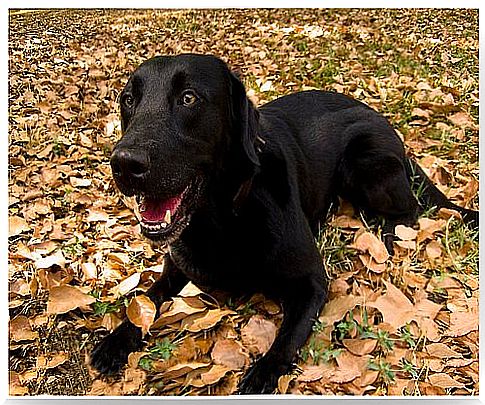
(430, 196)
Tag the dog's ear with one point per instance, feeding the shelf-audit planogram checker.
(245, 119)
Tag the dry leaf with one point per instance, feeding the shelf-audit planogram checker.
(360, 347)
(229, 353)
(211, 318)
(258, 334)
(310, 373)
(183, 368)
(433, 250)
(47, 262)
(125, 286)
(65, 298)
(20, 329)
(444, 381)
(395, 307)
(284, 382)
(17, 225)
(371, 264)
(463, 120)
(441, 350)
(368, 242)
(336, 309)
(141, 312)
(405, 232)
(51, 361)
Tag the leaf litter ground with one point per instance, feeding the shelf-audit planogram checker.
(406, 325)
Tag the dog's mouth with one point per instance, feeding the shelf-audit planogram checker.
(163, 220)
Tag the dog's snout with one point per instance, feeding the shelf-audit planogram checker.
(129, 163)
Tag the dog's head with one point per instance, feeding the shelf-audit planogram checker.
(185, 120)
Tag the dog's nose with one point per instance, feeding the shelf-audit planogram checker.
(128, 163)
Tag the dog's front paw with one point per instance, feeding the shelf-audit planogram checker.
(262, 378)
(111, 354)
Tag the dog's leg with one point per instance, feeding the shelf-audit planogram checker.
(301, 309)
(111, 354)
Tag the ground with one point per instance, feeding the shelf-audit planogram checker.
(401, 325)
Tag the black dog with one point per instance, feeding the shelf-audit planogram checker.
(237, 193)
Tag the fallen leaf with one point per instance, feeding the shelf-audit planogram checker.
(368, 242)
(15, 388)
(141, 312)
(183, 368)
(310, 373)
(214, 374)
(205, 321)
(405, 232)
(65, 298)
(20, 329)
(360, 347)
(47, 262)
(258, 334)
(336, 309)
(442, 351)
(395, 307)
(444, 381)
(371, 264)
(284, 382)
(229, 353)
(463, 120)
(179, 309)
(52, 360)
(433, 249)
(125, 286)
(462, 323)
(17, 225)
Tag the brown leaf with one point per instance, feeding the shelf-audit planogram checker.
(405, 232)
(15, 388)
(463, 120)
(462, 323)
(65, 298)
(20, 329)
(368, 242)
(17, 225)
(336, 309)
(214, 374)
(258, 334)
(371, 264)
(211, 318)
(125, 286)
(433, 249)
(311, 373)
(395, 307)
(179, 309)
(284, 382)
(55, 259)
(52, 361)
(141, 312)
(345, 221)
(444, 381)
(229, 353)
(442, 351)
(133, 380)
(360, 347)
(182, 369)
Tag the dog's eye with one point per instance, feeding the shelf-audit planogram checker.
(128, 100)
(189, 98)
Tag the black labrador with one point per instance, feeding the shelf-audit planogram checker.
(237, 192)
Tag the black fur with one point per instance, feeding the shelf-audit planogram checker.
(265, 179)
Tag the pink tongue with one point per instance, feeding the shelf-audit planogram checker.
(155, 210)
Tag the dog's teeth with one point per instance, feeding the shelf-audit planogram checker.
(164, 224)
(168, 217)
(142, 207)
